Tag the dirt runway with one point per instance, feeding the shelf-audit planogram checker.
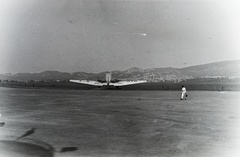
(119, 123)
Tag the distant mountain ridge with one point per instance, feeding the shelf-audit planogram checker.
(224, 69)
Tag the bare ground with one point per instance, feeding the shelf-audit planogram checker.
(119, 123)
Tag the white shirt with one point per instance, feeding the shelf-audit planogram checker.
(184, 90)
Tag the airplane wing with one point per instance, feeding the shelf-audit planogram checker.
(87, 82)
(125, 83)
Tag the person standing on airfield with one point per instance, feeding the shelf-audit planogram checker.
(184, 93)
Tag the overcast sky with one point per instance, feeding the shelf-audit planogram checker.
(98, 35)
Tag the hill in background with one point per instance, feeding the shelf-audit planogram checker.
(226, 71)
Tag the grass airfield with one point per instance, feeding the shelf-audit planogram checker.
(119, 123)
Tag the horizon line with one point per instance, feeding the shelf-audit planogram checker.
(118, 70)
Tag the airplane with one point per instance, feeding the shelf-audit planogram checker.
(108, 82)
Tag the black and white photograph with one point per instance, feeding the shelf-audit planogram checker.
(119, 78)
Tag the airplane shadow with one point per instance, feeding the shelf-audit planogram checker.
(23, 146)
